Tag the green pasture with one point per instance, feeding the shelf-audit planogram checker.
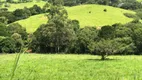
(71, 67)
(32, 23)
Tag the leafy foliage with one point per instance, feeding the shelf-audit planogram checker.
(57, 34)
(17, 28)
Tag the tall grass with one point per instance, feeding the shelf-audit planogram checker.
(17, 59)
(15, 65)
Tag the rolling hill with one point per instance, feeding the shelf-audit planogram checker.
(94, 15)
(88, 15)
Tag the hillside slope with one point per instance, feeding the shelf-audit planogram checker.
(88, 15)
(32, 23)
(94, 15)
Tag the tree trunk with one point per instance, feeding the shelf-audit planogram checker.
(58, 48)
(103, 57)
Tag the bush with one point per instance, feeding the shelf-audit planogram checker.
(139, 14)
(105, 10)
(18, 42)
(3, 31)
(7, 5)
(9, 15)
(8, 45)
(17, 28)
(35, 10)
(130, 15)
(3, 9)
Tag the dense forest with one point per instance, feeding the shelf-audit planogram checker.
(63, 35)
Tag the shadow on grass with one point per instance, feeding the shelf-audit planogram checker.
(107, 59)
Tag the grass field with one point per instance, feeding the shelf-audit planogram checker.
(139, 0)
(97, 17)
(32, 23)
(71, 67)
(22, 5)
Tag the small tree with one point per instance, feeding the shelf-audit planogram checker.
(8, 45)
(3, 31)
(18, 42)
(103, 48)
(105, 10)
(113, 46)
(46, 7)
(17, 28)
(3, 20)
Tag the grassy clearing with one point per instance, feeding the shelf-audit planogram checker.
(22, 5)
(139, 0)
(97, 17)
(71, 67)
(32, 23)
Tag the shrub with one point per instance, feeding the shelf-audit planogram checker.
(7, 5)
(105, 10)
(8, 45)
(17, 28)
(130, 15)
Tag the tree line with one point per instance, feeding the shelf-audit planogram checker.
(125, 4)
(62, 35)
(20, 14)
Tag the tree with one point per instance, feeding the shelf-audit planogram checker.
(57, 33)
(57, 2)
(84, 37)
(103, 48)
(75, 24)
(22, 13)
(35, 10)
(9, 1)
(138, 39)
(70, 2)
(46, 7)
(107, 32)
(8, 15)
(3, 20)
(3, 30)
(17, 28)
(1, 38)
(112, 46)
(27, 12)
(18, 42)
(8, 45)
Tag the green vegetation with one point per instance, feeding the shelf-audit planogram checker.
(33, 22)
(71, 67)
(22, 5)
(70, 38)
(139, 0)
(97, 17)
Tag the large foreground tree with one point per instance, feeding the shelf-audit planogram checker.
(57, 34)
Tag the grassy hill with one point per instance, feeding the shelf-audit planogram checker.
(32, 23)
(22, 5)
(96, 17)
(71, 67)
